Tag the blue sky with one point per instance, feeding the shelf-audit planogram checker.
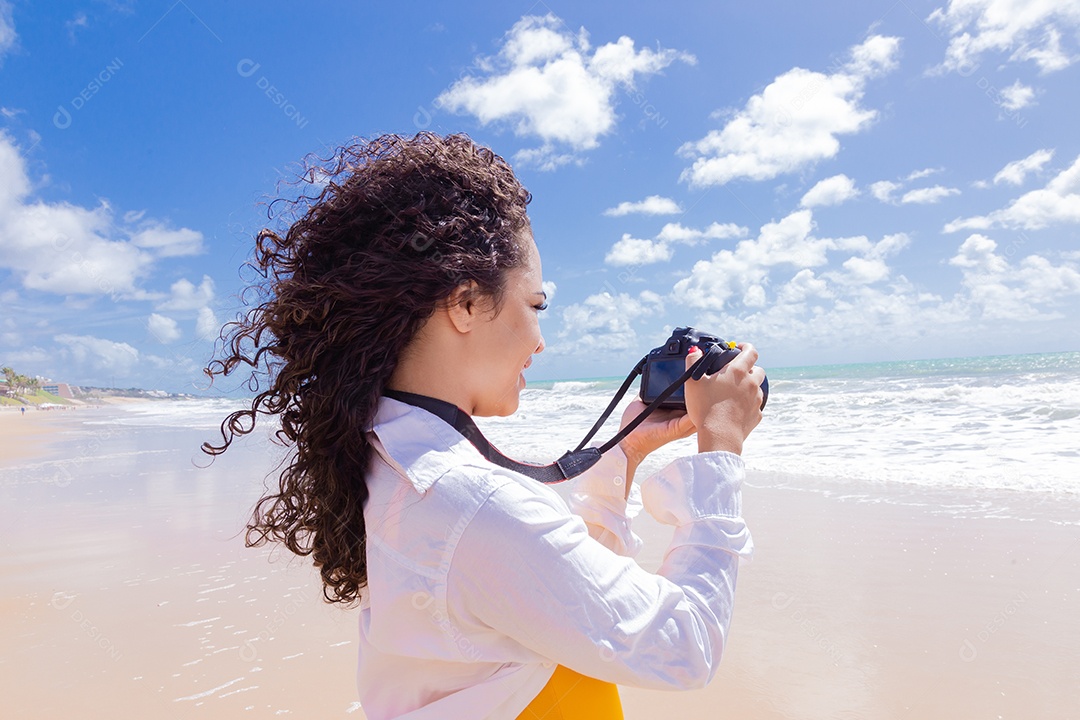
(835, 182)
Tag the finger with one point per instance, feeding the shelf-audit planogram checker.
(747, 356)
(685, 426)
(693, 356)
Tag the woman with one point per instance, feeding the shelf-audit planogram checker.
(482, 593)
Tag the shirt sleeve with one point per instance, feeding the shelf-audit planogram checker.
(598, 496)
(528, 569)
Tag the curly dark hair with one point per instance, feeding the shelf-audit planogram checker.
(399, 225)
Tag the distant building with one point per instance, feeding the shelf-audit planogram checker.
(62, 390)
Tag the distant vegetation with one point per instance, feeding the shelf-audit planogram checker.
(23, 390)
(19, 384)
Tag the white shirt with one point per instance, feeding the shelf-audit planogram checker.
(480, 579)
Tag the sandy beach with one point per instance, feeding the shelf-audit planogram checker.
(24, 433)
(127, 592)
(866, 609)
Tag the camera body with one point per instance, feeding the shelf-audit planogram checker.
(665, 364)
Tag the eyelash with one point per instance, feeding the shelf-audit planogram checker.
(541, 307)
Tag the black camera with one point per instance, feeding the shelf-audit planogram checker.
(667, 363)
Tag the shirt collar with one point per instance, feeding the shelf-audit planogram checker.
(422, 446)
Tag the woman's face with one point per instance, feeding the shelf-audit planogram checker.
(507, 340)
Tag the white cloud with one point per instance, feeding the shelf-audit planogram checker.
(830, 191)
(8, 36)
(1017, 171)
(794, 122)
(115, 357)
(1057, 203)
(883, 190)
(886, 190)
(545, 158)
(71, 250)
(919, 174)
(206, 324)
(79, 21)
(977, 253)
(606, 320)
(185, 295)
(675, 232)
(865, 271)
(34, 356)
(14, 182)
(1016, 96)
(164, 329)
(633, 251)
(803, 286)
(652, 205)
(169, 243)
(866, 299)
(889, 245)
(997, 290)
(1027, 29)
(787, 241)
(928, 195)
(752, 274)
(754, 297)
(548, 83)
(730, 273)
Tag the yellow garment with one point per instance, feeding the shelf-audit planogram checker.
(572, 696)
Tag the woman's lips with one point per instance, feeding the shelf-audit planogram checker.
(527, 364)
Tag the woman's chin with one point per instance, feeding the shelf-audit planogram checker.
(505, 406)
(509, 407)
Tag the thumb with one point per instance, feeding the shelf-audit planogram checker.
(684, 426)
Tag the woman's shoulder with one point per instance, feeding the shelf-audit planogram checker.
(424, 450)
(419, 529)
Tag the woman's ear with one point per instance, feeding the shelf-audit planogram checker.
(462, 306)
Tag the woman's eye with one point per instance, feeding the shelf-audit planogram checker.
(541, 307)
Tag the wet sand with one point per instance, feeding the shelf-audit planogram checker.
(856, 608)
(126, 591)
(23, 434)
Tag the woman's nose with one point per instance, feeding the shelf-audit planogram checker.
(540, 347)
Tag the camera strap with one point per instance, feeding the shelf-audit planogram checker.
(572, 463)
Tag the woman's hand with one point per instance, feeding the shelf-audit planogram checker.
(726, 406)
(657, 430)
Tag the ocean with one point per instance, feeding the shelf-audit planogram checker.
(1006, 422)
(970, 425)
